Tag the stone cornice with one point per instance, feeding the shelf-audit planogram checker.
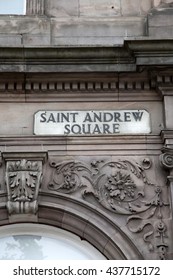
(73, 72)
(99, 145)
(52, 55)
(111, 86)
(52, 58)
(167, 138)
(166, 90)
(8, 156)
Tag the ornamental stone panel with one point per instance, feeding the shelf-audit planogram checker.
(86, 135)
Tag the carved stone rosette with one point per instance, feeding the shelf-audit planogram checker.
(23, 179)
(120, 187)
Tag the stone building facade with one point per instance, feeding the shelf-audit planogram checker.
(113, 189)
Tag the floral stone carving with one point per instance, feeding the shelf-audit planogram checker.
(113, 184)
(120, 187)
(23, 178)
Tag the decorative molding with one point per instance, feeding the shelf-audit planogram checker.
(152, 221)
(162, 235)
(167, 137)
(166, 158)
(120, 187)
(113, 184)
(126, 58)
(74, 86)
(63, 146)
(77, 89)
(122, 86)
(165, 79)
(77, 85)
(23, 178)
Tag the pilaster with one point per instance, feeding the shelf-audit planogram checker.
(35, 7)
(166, 160)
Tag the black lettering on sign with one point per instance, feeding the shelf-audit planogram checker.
(67, 129)
(137, 115)
(98, 117)
(108, 117)
(88, 118)
(106, 128)
(58, 117)
(92, 122)
(96, 129)
(76, 129)
(127, 116)
(43, 117)
(51, 118)
(74, 116)
(86, 128)
(65, 117)
(117, 117)
(116, 128)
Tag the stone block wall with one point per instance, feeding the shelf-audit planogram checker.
(97, 8)
(90, 22)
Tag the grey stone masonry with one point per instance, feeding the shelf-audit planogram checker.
(86, 22)
(160, 21)
(92, 8)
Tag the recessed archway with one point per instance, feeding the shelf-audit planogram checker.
(36, 241)
(79, 217)
(89, 223)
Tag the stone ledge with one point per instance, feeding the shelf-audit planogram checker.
(70, 146)
(167, 138)
(86, 58)
(10, 156)
(41, 30)
(144, 86)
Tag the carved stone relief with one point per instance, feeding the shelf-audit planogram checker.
(23, 179)
(166, 158)
(121, 187)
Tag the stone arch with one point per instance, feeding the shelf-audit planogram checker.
(79, 207)
(89, 223)
(81, 218)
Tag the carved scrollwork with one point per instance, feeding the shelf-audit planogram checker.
(23, 178)
(113, 184)
(154, 212)
(66, 177)
(119, 186)
(161, 235)
(166, 158)
(146, 163)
